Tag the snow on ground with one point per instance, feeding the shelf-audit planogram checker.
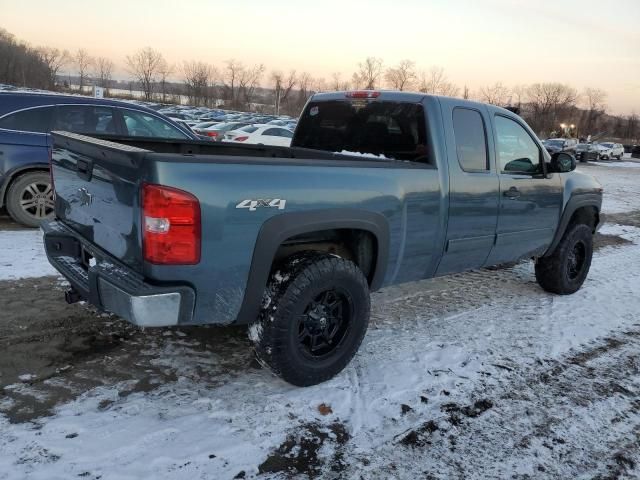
(22, 255)
(475, 375)
(618, 164)
(621, 192)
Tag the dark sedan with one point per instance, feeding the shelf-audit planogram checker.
(25, 122)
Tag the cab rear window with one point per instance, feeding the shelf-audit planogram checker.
(394, 130)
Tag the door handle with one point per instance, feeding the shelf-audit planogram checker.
(512, 193)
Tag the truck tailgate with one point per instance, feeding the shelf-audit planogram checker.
(97, 192)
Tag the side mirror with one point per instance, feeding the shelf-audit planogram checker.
(563, 162)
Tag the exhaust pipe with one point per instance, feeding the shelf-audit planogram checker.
(72, 296)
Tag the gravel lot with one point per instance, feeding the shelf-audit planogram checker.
(477, 375)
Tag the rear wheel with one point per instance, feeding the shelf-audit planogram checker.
(30, 199)
(564, 271)
(315, 314)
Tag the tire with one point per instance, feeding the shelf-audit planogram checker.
(30, 199)
(564, 271)
(314, 316)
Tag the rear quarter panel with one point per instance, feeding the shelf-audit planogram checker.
(409, 199)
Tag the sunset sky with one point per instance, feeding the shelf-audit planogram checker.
(585, 43)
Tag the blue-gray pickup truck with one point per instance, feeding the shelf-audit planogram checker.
(377, 188)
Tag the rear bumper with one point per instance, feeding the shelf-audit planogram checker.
(112, 287)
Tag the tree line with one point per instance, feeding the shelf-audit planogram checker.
(552, 109)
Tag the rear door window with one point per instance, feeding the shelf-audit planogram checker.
(471, 140)
(142, 124)
(395, 130)
(31, 120)
(87, 119)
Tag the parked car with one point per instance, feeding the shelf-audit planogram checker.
(587, 151)
(554, 145)
(201, 126)
(25, 122)
(261, 135)
(292, 240)
(217, 132)
(609, 150)
(635, 151)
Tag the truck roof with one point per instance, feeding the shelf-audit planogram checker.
(10, 101)
(401, 96)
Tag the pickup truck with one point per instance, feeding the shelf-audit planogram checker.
(377, 188)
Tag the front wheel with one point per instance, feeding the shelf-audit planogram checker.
(314, 316)
(564, 271)
(30, 199)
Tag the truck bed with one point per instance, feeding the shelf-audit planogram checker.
(98, 184)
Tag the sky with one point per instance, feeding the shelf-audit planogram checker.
(585, 43)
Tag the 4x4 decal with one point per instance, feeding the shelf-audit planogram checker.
(253, 205)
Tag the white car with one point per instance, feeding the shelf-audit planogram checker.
(609, 150)
(261, 135)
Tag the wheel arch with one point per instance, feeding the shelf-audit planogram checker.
(277, 230)
(13, 175)
(583, 208)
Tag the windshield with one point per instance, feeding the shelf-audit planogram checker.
(555, 143)
(392, 129)
(607, 145)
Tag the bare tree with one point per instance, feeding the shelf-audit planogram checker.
(83, 62)
(165, 70)
(55, 59)
(402, 76)
(337, 84)
(518, 95)
(282, 87)
(306, 83)
(496, 94)
(231, 77)
(21, 64)
(548, 103)
(199, 79)
(103, 72)
(632, 130)
(594, 101)
(368, 73)
(436, 82)
(248, 82)
(465, 93)
(319, 85)
(145, 65)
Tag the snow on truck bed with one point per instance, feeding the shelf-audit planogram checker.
(475, 375)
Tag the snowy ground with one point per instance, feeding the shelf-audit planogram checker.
(478, 375)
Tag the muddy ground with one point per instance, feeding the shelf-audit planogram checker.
(71, 349)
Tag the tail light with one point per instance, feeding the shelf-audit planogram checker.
(240, 139)
(212, 134)
(171, 228)
(362, 94)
